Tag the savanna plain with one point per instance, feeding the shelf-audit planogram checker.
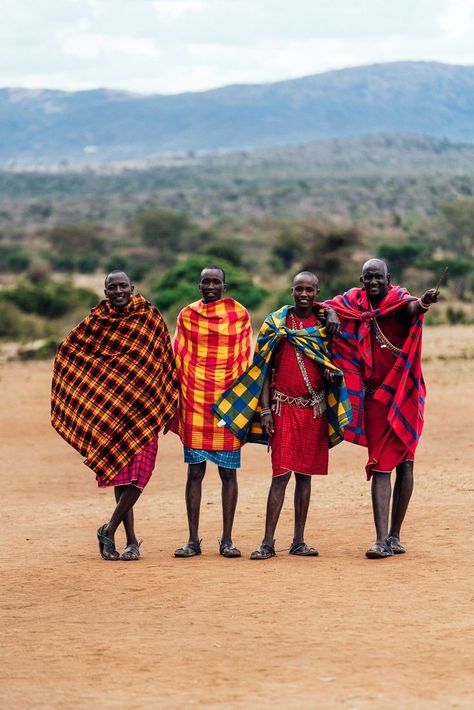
(337, 631)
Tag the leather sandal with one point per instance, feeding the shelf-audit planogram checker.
(106, 545)
(396, 545)
(378, 551)
(264, 552)
(227, 549)
(191, 549)
(303, 550)
(131, 552)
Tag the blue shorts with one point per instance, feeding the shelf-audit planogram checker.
(225, 459)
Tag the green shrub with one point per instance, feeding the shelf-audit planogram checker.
(136, 268)
(16, 325)
(13, 259)
(49, 299)
(455, 316)
(179, 285)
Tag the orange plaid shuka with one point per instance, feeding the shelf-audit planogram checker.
(212, 349)
(114, 384)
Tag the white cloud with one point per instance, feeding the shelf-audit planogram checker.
(172, 10)
(90, 46)
(456, 19)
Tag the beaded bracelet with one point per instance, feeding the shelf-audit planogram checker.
(423, 305)
(265, 411)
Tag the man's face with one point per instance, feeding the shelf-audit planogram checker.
(304, 291)
(375, 280)
(211, 285)
(118, 289)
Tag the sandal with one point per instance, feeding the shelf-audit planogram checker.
(302, 549)
(379, 551)
(227, 549)
(191, 549)
(396, 545)
(131, 552)
(264, 552)
(106, 545)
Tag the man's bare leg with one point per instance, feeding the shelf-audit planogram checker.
(126, 500)
(128, 520)
(402, 491)
(230, 491)
(302, 498)
(276, 496)
(381, 492)
(196, 473)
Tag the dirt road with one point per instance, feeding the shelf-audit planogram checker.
(338, 631)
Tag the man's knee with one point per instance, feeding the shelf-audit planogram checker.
(405, 468)
(196, 471)
(302, 480)
(281, 481)
(227, 474)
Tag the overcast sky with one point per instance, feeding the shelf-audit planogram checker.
(170, 46)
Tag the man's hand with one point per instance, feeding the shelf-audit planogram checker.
(268, 428)
(332, 322)
(330, 375)
(430, 296)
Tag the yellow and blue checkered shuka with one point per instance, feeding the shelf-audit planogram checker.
(239, 409)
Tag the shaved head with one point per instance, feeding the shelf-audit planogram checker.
(375, 264)
(306, 275)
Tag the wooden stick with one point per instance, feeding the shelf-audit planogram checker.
(441, 278)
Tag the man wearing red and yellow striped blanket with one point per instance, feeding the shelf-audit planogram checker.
(212, 349)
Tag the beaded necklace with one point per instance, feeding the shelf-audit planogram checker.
(381, 338)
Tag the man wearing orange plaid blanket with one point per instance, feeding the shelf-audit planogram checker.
(114, 388)
(212, 349)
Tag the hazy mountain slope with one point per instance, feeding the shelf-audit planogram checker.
(416, 97)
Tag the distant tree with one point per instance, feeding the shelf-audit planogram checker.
(13, 259)
(457, 224)
(287, 248)
(228, 252)
(400, 256)
(73, 240)
(332, 254)
(162, 229)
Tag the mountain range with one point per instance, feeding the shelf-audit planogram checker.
(40, 127)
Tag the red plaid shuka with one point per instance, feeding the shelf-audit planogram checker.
(403, 390)
(212, 347)
(114, 384)
(138, 472)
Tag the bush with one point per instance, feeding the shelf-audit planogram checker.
(45, 350)
(228, 252)
(13, 259)
(136, 268)
(49, 299)
(179, 285)
(455, 316)
(77, 239)
(15, 325)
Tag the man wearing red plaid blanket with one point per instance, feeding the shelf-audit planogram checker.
(379, 351)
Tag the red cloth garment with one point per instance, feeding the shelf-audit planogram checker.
(390, 421)
(385, 449)
(300, 442)
(138, 471)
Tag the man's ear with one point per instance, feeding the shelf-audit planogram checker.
(361, 280)
(388, 278)
(224, 287)
(132, 289)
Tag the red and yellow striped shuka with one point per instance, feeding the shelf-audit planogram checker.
(212, 348)
(114, 384)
